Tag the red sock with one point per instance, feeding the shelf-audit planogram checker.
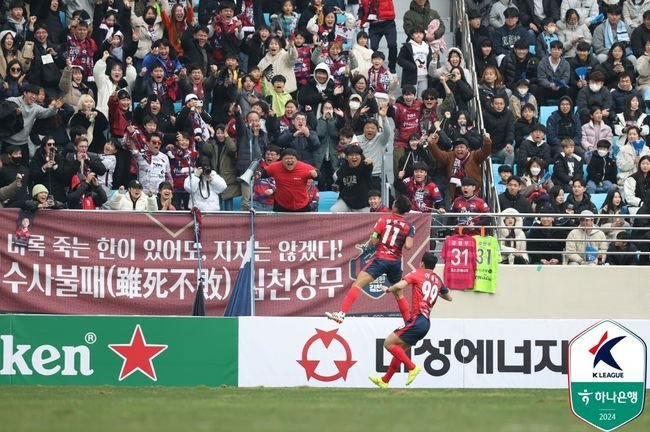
(350, 297)
(400, 354)
(392, 368)
(403, 305)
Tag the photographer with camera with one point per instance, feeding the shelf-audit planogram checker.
(204, 186)
(49, 167)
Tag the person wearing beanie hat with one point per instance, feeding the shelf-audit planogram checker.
(353, 181)
(41, 200)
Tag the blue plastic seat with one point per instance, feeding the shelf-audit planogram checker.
(326, 200)
(545, 112)
(236, 203)
(598, 199)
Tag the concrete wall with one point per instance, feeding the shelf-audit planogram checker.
(557, 292)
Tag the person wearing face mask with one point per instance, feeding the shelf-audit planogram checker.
(545, 37)
(534, 146)
(533, 179)
(12, 166)
(595, 94)
(601, 170)
(521, 97)
(146, 30)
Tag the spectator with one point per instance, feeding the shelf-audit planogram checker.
(637, 186)
(325, 157)
(491, 86)
(469, 202)
(330, 30)
(374, 202)
(109, 78)
(630, 152)
(361, 56)
(353, 181)
(478, 33)
(614, 205)
(420, 15)
(480, 7)
(563, 124)
(279, 61)
(80, 48)
(572, 31)
(581, 65)
(182, 160)
(595, 94)
(285, 23)
(454, 59)
(380, 16)
(505, 172)
(497, 19)
(546, 37)
(415, 57)
(546, 250)
(49, 167)
(251, 143)
(117, 162)
(632, 115)
(82, 161)
(165, 197)
(512, 198)
(204, 186)
(198, 50)
(41, 200)
(586, 245)
(12, 167)
(534, 178)
(520, 97)
(291, 178)
(507, 35)
(622, 252)
(568, 166)
(10, 50)
(373, 141)
(579, 198)
(459, 127)
(93, 120)
(163, 53)
(524, 125)
(86, 193)
(601, 170)
(8, 192)
(616, 65)
(14, 82)
(622, 94)
(641, 34)
(153, 165)
(520, 64)
(334, 60)
(264, 188)
(485, 57)
(133, 198)
(644, 248)
(407, 111)
(605, 36)
(458, 92)
(512, 240)
(553, 73)
(459, 162)
(320, 89)
(423, 193)
(500, 124)
(379, 76)
(594, 131)
(72, 85)
(534, 146)
(300, 138)
(633, 11)
(222, 155)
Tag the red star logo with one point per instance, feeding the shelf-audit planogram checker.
(137, 355)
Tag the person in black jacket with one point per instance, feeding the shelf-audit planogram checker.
(300, 138)
(459, 127)
(485, 56)
(354, 181)
(524, 124)
(46, 74)
(86, 193)
(500, 124)
(640, 36)
(622, 244)
(601, 170)
(529, 17)
(520, 64)
(547, 249)
(414, 57)
(47, 13)
(583, 59)
(568, 166)
(255, 46)
(49, 167)
(12, 164)
(197, 49)
(512, 198)
(320, 88)
(534, 146)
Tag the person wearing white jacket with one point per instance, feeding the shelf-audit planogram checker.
(133, 199)
(361, 55)
(512, 240)
(637, 186)
(204, 189)
(633, 11)
(588, 10)
(572, 31)
(115, 80)
(628, 157)
(278, 61)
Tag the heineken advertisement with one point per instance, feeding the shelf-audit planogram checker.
(127, 351)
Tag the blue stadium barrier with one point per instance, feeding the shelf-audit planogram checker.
(326, 200)
(236, 203)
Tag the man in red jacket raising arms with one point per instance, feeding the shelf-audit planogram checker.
(291, 177)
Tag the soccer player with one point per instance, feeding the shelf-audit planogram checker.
(427, 286)
(390, 234)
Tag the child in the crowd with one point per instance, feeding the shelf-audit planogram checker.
(594, 131)
(505, 172)
(522, 97)
(276, 96)
(379, 77)
(361, 55)
(182, 157)
(302, 67)
(285, 23)
(544, 38)
(568, 166)
(601, 170)
(414, 58)
(119, 112)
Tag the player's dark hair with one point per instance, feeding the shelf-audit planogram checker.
(403, 204)
(430, 260)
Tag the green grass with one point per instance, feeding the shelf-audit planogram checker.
(39, 408)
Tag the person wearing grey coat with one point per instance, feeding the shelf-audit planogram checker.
(553, 74)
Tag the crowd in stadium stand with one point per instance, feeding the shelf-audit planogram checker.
(161, 105)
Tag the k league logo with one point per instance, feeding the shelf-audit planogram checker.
(607, 375)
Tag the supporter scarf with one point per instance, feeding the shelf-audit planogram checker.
(109, 30)
(153, 35)
(621, 34)
(458, 170)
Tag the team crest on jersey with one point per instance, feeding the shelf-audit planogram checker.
(366, 253)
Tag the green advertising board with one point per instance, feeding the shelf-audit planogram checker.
(112, 350)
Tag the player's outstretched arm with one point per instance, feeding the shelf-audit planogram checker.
(374, 239)
(408, 244)
(398, 288)
(446, 296)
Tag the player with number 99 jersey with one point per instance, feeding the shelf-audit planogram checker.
(392, 231)
(426, 287)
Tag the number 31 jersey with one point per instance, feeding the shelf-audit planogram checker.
(426, 287)
(459, 253)
(393, 231)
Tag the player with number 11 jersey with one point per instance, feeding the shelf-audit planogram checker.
(391, 234)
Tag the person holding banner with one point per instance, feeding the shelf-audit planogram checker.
(427, 287)
(391, 234)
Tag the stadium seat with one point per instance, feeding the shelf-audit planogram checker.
(267, 19)
(327, 200)
(236, 203)
(598, 199)
(545, 112)
(549, 169)
(178, 106)
(615, 147)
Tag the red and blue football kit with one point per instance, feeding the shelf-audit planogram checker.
(473, 204)
(426, 287)
(392, 231)
(424, 196)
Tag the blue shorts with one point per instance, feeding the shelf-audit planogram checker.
(392, 269)
(414, 330)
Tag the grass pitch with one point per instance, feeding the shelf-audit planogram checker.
(97, 409)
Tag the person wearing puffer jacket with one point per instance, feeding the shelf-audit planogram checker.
(361, 55)
(454, 59)
(628, 156)
(147, 29)
(512, 240)
(133, 199)
(633, 11)
(109, 78)
(586, 245)
(204, 189)
(279, 61)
